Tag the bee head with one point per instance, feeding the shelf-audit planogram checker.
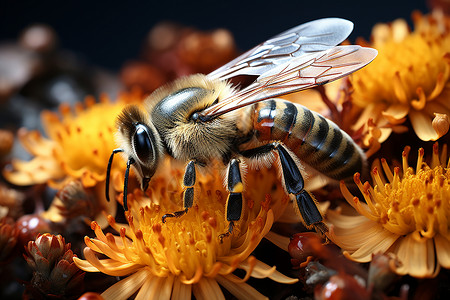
(141, 144)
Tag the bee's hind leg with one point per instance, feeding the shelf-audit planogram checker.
(188, 195)
(235, 186)
(293, 182)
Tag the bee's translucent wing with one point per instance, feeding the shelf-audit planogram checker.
(313, 36)
(296, 74)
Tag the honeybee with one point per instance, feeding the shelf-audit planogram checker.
(203, 118)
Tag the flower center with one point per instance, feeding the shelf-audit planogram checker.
(417, 202)
(180, 246)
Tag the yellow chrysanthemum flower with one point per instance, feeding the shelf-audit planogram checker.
(185, 256)
(409, 79)
(407, 215)
(77, 147)
(79, 144)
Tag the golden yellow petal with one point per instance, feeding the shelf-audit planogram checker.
(159, 288)
(419, 103)
(214, 270)
(181, 291)
(84, 265)
(36, 171)
(250, 243)
(128, 286)
(166, 288)
(380, 34)
(248, 265)
(207, 289)
(197, 276)
(396, 113)
(144, 291)
(372, 110)
(400, 90)
(262, 270)
(279, 277)
(385, 133)
(441, 107)
(278, 240)
(92, 246)
(345, 222)
(106, 263)
(360, 237)
(35, 143)
(422, 125)
(375, 243)
(400, 30)
(417, 258)
(441, 80)
(105, 249)
(442, 250)
(109, 266)
(239, 290)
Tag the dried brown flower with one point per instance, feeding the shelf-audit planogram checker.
(54, 272)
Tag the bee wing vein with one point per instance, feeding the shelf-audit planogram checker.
(313, 36)
(297, 74)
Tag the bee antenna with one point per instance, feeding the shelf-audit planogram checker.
(108, 171)
(125, 184)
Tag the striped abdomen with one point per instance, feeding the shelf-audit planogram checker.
(314, 139)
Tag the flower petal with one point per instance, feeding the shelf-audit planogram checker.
(166, 289)
(207, 289)
(84, 265)
(262, 270)
(416, 257)
(278, 240)
(396, 113)
(181, 291)
(375, 243)
(359, 236)
(128, 286)
(105, 249)
(442, 250)
(422, 126)
(109, 266)
(239, 290)
(158, 288)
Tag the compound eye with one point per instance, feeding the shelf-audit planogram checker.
(142, 143)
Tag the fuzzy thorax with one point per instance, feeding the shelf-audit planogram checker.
(172, 107)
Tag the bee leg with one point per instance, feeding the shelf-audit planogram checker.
(293, 182)
(188, 195)
(234, 202)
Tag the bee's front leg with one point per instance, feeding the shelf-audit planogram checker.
(188, 195)
(235, 187)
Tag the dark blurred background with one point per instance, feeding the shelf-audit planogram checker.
(107, 33)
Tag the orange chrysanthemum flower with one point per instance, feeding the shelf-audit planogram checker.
(185, 256)
(407, 215)
(409, 79)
